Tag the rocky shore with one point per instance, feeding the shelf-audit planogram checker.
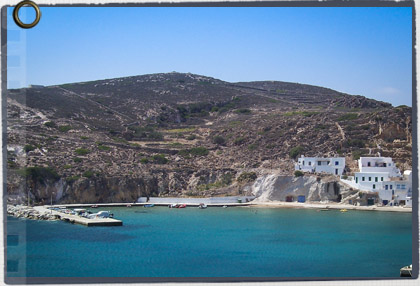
(21, 211)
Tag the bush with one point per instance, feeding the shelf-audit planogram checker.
(84, 137)
(214, 109)
(320, 127)
(67, 167)
(191, 137)
(243, 111)
(72, 179)
(357, 154)
(199, 151)
(219, 140)
(104, 148)
(144, 160)
(295, 151)
(356, 143)
(11, 164)
(81, 151)
(252, 146)
(50, 124)
(40, 174)
(77, 160)
(247, 177)
(88, 174)
(147, 132)
(239, 141)
(64, 128)
(184, 153)
(304, 113)
(223, 182)
(348, 117)
(29, 148)
(226, 179)
(298, 173)
(159, 159)
(119, 140)
(223, 109)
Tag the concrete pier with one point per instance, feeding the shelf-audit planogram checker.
(81, 220)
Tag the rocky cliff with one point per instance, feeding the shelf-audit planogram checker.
(278, 188)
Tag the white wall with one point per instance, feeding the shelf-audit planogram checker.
(375, 179)
(376, 165)
(319, 165)
(385, 195)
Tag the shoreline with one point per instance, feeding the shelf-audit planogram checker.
(329, 206)
(253, 204)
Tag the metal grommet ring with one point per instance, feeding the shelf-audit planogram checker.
(16, 14)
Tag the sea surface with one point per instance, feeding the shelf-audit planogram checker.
(214, 242)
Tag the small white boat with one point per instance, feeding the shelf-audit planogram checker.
(79, 211)
(406, 271)
(202, 206)
(101, 214)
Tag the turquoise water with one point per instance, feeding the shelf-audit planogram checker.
(214, 242)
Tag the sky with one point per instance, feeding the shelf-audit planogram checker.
(363, 51)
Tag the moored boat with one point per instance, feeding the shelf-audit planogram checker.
(202, 206)
(182, 206)
(101, 214)
(406, 271)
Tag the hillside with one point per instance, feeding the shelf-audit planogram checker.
(183, 134)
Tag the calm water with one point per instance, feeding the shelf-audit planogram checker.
(215, 242)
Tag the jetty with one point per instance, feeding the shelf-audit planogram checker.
(78, 219)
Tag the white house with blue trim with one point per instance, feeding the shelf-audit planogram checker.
(331, 165)
(380, 174)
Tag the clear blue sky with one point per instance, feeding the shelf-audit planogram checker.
(364, 51)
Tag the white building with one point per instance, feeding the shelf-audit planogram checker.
(379, 174)
(333, 166)
(379, 165)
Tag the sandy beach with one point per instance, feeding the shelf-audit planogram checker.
(314, 205)
(256, 204)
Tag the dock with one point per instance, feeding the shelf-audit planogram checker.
(80, 220)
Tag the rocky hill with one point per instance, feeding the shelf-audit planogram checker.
(181, 134)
